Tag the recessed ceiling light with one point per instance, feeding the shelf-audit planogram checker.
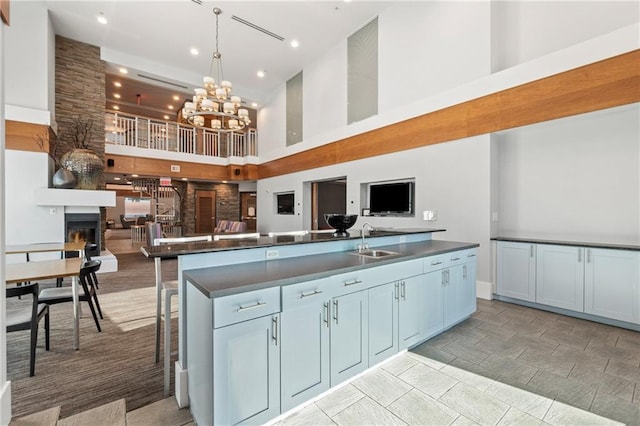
(117, 84)
(134, 175)
(185, 179)
(124, 70)
(116, 107)
(254, 104)
(116, 178)
(176, 97)
(101, 18)
(294, 43)
(260, 73)
(224, 181)
(194, 51)
(116, 95)
(166, 117)
(170, 106)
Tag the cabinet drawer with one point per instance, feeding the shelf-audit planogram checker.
(370, 277)
(307, 292)
(245, 306)
(459, 257)
(433, 263)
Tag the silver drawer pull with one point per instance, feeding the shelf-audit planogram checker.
(453, 259)
(436, 263)
(248, 307)
(309, 294)
(471, 255)
(354, 282)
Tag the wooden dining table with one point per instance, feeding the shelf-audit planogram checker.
(48, 269)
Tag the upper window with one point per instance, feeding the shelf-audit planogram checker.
(294, 109)
(362, 73)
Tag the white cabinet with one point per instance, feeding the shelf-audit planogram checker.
(611, 286)
(560, 276)
(517, 270)
(305, 341)
(349, 334)
(246, 365)
(409, 311)
(431, 308)
(459, 294)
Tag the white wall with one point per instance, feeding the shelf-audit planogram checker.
(26, 222)
(429, 47)
(452, 178)
(576, 178)
(29, 63)
(525, 30)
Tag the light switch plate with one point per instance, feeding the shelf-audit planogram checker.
(430, 215)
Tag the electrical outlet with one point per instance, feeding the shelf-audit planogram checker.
(272, 254)
(52, 211)
(430, 215)
(403, 239)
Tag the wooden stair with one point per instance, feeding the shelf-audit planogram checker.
(160, 413)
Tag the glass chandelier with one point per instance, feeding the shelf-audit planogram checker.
(214, 100)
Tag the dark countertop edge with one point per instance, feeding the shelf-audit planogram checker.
(569, 243)
(280, 282)
(206, 247)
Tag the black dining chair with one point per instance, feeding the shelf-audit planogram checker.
(87, 291)
(28, 318)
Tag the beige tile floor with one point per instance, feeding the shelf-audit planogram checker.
(507, 364)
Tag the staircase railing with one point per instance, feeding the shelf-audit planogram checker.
(141, 132)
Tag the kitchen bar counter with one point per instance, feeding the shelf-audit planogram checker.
(231, 279)
(264, 241)
(569, 243)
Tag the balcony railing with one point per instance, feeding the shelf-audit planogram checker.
(142, 132)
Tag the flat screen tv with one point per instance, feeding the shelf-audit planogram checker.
(391, 199)
(285, 203)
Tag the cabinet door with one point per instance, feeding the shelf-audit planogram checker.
(612, 284)
(431, 304)
(246, 382)
(467, 289)
(383, 322)
(517, 270)
(409, 311)
(305, 352)
(560, 276)
(348, 336)
(451, 295)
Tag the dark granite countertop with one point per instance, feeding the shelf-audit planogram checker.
(232, 279)
(569, 243)
(168, 250)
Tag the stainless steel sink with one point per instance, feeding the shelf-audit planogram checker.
(376, 254)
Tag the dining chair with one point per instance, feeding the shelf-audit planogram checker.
(28, 318)
(168, 289)
(87, 293)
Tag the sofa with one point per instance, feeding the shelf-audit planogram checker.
(126, 223)
(230, 226)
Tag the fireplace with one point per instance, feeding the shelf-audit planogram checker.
(83, 227)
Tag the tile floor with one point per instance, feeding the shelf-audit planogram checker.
(507, 364)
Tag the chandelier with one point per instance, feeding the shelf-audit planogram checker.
(214, 100)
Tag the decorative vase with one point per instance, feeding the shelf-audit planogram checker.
(85, 165)
(64, 179)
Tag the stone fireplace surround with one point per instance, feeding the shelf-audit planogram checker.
(84, 227)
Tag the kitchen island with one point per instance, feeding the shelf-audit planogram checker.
(268, 323)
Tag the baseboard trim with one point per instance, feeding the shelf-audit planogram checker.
(483, 290)
(5, 404)
(182, 386)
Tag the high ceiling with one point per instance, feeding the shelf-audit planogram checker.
(152, 39)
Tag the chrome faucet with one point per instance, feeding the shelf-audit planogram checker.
(364, 245)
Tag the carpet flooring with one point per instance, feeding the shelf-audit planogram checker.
(116, 363)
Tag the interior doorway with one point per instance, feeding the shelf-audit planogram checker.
(329, 196)
(205, 211)
(248, 210)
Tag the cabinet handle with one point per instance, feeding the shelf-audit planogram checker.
(354, 282)
(436, 263)
(588, 255)
(531, 250)
(403, 291)
(464, 272)
(395, 291)
(448, 277)
(579, 255)
(326, 313)
(274, 332)
(455, 259)
(335, 311)
(444, 277)
(309, 294)
(471, 255)
(248, 307)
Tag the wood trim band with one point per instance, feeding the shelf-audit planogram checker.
(22, 136)
(605, 84)
(4, 11)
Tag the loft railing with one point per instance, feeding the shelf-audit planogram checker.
(142, 132)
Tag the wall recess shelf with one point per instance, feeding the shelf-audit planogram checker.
(74, 197)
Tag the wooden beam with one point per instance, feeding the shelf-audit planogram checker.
(4, 11)
(22, 136)
(605, 84)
